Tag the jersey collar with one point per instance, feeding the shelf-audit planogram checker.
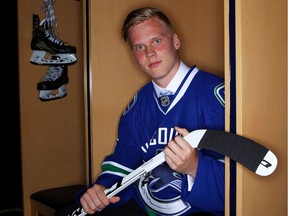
(175, 82)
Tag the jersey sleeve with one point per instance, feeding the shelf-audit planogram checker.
(118, 165)
(208, 189)
(213, 106)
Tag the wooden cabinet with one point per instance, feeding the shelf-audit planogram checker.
(113, 75)
(203, 26)
(52, 132)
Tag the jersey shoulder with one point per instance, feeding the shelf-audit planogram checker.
(141, 97)
(209, 85)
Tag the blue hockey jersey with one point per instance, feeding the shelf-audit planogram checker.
(145, 128)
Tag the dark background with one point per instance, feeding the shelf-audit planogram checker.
(11, 175)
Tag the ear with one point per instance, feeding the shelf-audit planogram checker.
(176, 41)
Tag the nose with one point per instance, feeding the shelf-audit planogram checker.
(150, 52)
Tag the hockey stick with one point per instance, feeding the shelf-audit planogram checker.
(245, 151)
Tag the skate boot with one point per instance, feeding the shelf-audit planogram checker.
(53, 84)
(47, 48)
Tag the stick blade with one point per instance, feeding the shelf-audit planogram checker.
(243, 150)
(270, 160)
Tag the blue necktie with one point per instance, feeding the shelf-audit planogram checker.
(168, 92)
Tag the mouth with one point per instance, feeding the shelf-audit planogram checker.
(154, 64)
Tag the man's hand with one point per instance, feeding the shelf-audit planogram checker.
(94, 199)
(180, 155)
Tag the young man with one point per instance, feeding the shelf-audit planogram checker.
(191, 180)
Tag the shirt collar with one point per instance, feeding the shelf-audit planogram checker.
(175, 82)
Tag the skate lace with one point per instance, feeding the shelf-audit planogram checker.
(50, 21)
(53, 73)
(48, 8)
(50, 36)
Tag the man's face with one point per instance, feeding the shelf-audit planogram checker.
(155, 50)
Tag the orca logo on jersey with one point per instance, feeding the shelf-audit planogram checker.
(160, 190)
(220, 93)
(130, 105)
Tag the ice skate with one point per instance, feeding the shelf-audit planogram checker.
(47, 48)
(47, 95)
(53, 84)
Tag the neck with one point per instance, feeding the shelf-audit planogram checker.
(163, 82)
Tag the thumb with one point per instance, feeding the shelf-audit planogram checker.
(182, 131)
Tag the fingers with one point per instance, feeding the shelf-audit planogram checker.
(182, 131)
(178, 144)
(178, 150)
(179, 155)
(94, 199)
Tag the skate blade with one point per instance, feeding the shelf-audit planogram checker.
(47, 95)
(43, 58)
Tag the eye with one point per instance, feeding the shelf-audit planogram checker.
(157, 41)
(139, 47)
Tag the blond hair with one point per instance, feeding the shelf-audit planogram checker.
(139, 15)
